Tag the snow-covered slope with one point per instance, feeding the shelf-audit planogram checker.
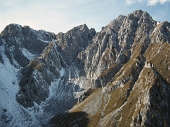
(12, 113)
(14, 55)
(110, 75)
(42, 72)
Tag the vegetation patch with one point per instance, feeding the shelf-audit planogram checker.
(36, 65)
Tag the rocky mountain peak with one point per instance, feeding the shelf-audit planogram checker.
(161, 33)
(84, 27)
(138, 13)
(74, 41)
(117, 77)
(12, 30)
(115, 24)
(23, 43)
(93, 31)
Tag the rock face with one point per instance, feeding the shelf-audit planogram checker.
(1, 42)
(118, 76)
(124, 59)
(51, 65)
(74, 41)
(22, 41)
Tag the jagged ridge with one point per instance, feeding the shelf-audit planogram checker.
(114, 74)
(135, 91)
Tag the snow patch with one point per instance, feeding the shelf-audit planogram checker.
(27, 54)
(12, 113)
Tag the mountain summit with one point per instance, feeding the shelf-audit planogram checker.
(117, 77)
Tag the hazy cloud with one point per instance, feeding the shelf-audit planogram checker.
(133, 1)
(149, 2)
(154, 2)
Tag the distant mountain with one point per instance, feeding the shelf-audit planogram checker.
(117, 77)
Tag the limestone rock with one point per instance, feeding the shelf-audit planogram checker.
(74, 41)
(116, 77)
(129, 59)
(20, 42)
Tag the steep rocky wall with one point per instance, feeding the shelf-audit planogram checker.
(75, 40)
(119, 76)
(50, 66)
(112, 46)
(20, 41)
(38, 75)
(136, 94)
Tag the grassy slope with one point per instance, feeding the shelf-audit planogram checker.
(118, 109)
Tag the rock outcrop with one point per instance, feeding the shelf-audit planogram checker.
(20, 42)
(116, 77)
(132, 84)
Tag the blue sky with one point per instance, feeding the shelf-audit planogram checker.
(62, 15)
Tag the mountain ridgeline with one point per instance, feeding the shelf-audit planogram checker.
(118, 77)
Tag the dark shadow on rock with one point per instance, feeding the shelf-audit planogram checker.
(70, 119)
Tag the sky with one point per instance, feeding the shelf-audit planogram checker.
(62, 15)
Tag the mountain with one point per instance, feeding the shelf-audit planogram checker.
(116, 77)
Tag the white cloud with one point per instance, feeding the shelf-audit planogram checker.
(164, 1)
(154, 2)
(149, 2)
(132, 1)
